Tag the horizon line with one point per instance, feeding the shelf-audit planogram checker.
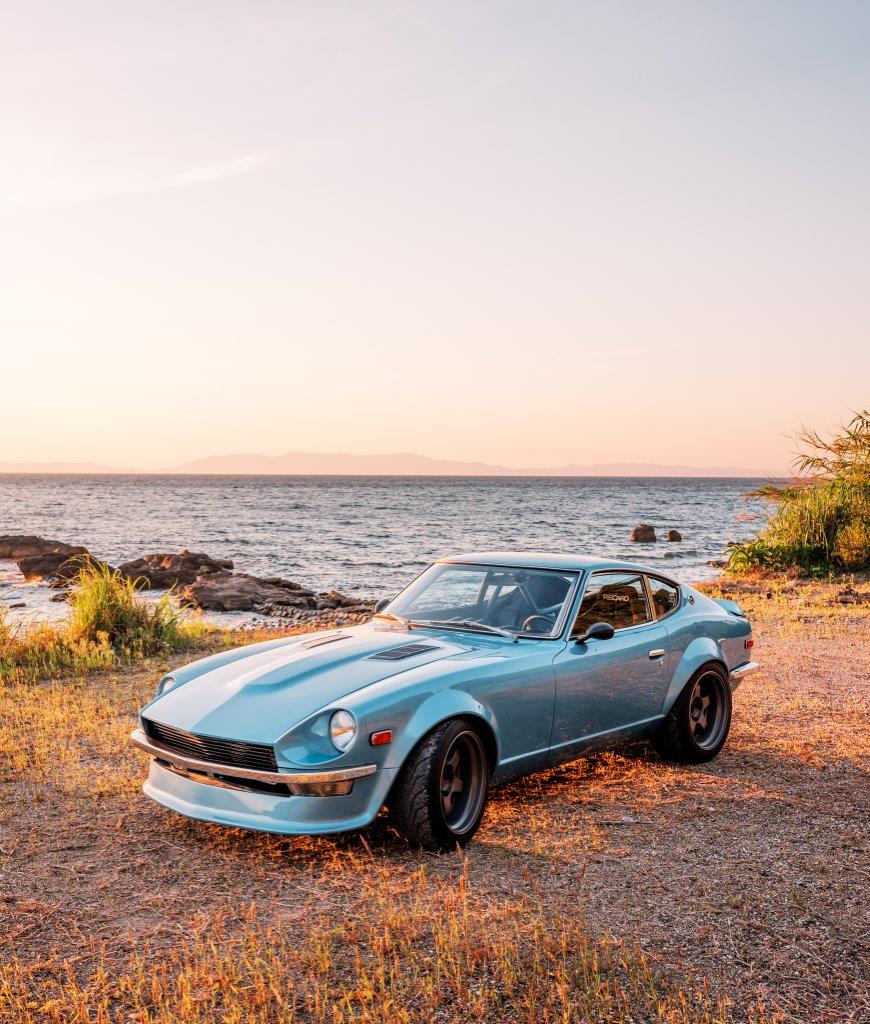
(394, 464)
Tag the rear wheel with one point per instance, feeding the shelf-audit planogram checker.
(440, 794)
(697, 727)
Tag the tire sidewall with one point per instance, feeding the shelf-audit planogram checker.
(684, 723)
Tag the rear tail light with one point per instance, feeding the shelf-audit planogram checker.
(748, 644)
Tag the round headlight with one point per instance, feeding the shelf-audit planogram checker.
(342, 730)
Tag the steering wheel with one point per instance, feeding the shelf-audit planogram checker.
(533, 620)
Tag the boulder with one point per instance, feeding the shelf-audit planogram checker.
(238, 592)
(60, 568)
(332, 599)
(161, 571)
(18, 545)
(643, 534)
(674, 535)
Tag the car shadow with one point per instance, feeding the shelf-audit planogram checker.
(622, 786)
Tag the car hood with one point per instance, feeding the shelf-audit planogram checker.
(256, 698)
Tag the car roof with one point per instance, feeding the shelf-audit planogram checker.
(549, 560)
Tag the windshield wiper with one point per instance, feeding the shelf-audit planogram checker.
(468, 624)
(394, 618)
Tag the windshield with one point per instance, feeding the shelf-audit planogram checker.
(489, 598)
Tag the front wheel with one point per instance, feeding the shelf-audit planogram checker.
(697, 727)
(440, 794)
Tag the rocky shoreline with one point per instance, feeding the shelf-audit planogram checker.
(200, 581)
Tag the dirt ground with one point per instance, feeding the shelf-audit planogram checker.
(750, 873)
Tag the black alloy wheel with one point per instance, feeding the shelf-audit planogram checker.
(708, 710)
(697, 727)
(463, 782)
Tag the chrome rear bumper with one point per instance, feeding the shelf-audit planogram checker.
(741, 672)
(193, 764)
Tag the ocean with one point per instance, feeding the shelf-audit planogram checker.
(370, 536)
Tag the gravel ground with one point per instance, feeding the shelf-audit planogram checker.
(750, 872)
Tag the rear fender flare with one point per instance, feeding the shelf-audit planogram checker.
(701, 651)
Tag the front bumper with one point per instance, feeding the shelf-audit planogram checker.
(171, 785)
(193, 764)
(741, 672)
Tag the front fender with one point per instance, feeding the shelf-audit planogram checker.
(700, 651)
(436, 709)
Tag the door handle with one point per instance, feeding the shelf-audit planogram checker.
(659, 652)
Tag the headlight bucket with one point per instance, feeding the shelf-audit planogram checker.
(342, 730)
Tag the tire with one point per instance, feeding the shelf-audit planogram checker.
(697, 727)
(439, 797)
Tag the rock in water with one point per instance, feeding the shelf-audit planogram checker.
(643, 534)
(674, 535)
(161, 571)
(60, 568)
(238, 592)
(332, 599)
(18, 545)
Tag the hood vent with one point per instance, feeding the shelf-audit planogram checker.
(398, 653)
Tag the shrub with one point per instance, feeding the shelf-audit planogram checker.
(822, 523)
(109, 622)
(105, 608)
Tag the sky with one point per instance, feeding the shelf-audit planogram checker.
(528, 234)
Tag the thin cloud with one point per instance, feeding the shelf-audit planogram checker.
(198, 175)
(215, 171)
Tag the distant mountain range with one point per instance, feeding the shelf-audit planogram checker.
(397, 464)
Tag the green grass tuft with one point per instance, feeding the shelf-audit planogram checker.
(109, 624)
(104, 608)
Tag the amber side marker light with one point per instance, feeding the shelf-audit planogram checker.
(748, 644)
(378, 739)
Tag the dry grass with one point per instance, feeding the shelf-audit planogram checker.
(412, 951)
(617, 888)
(108, 624)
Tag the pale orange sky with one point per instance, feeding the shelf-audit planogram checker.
(522, 234)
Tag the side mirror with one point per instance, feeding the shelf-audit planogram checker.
(597, 631)
(384, 601)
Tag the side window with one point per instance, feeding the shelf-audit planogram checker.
(615, 597)
(665, 597)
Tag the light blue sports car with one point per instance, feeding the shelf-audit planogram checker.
(486, 667)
